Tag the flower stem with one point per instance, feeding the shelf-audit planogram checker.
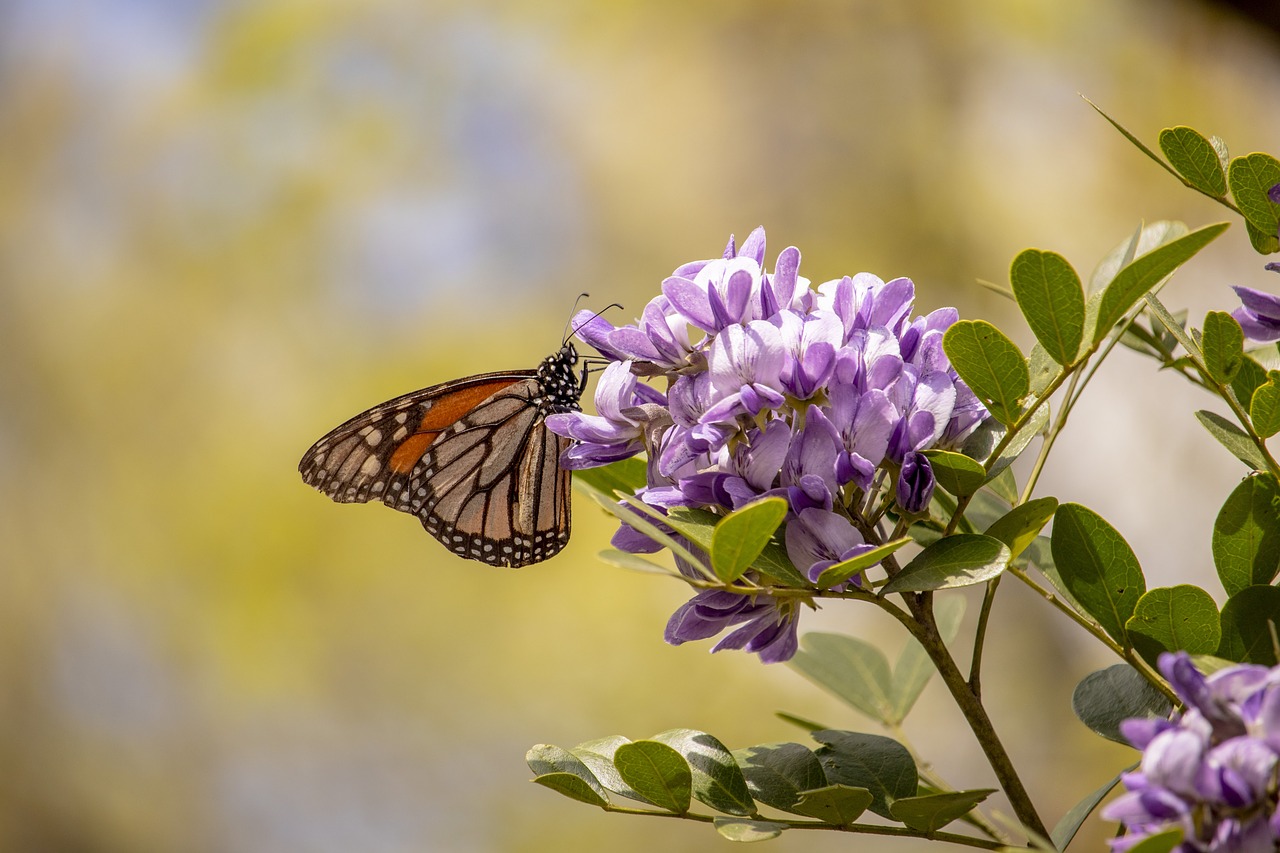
(922, 626)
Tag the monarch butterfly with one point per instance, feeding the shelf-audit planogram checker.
(471, 458)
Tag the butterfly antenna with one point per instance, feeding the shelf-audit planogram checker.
(589, 319)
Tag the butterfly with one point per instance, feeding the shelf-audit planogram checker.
(472, 459)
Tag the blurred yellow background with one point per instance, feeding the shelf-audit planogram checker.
(225, 227)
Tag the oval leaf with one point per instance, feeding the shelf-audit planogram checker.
(656, 772)
(932, 812)
(1248, 379)
(717, 780)
(1160, 842)
(1222, 346)
(1097, 567)
(1250, 177)
(572, 787)
(1019, 527)
(838, 805)
(962, 559)
(625, 475)
(737, 829)
(1246, 534)
(741, 536)
(1145, 272)
(1171, 618)
(1103, 699)
(841, 572)
(955, 472)
(880, 764)
(990, 364)
(854, 671)
(1194, 158)
(777, 773)
(1247, 620)
(597, 755)
(1233, 439)
(1264, 407)
(545, 759)
(1049, 292)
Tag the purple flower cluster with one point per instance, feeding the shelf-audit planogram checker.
(824, 396)
(1210, 772)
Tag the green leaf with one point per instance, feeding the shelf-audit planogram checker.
(597, 755)
(1052, 301)
(838, 805)
(955, 472)
(625, 475)
(1041, 370)
(880, 764)
(1034, 427)
(1222, 346)
(656, 772)
(738, 829)
(990, 364)
(1264, 408)
(1171, 618)
(777, 773)
(931, 813)
(741, 536)
(1066, 829)
(1145, 272)
(1142, 241)
(1097, 566)
(572, 787)
(1250, 177)
(962, 559)
(1103, 699)
(1247, 620)
(717, 780)
(1195, 159)
(1248, 380)
(1019, 527)
(546, 759)
(1233, 439)
(914, 668)
(1160, 842)
(1263, 242)
(1246, 534)
(854, 671)
(1005, 486)
(699, 526)
(646, 519)
(631, 562)
(842, 571)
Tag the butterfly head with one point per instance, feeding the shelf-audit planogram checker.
(561, 385)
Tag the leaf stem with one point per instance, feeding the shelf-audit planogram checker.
(857, 828)
(921, 624)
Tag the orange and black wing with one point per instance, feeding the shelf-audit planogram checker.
(472, 459)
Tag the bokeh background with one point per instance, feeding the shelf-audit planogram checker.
(227, 226)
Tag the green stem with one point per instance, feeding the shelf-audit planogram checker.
(1127, 655)
(980, 637)
(857, 828)
(922, 626)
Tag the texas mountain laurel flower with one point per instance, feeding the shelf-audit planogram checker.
(1211, 770)
(740, 384)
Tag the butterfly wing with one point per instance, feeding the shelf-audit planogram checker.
(368, 456)
(471, 459)
(490, 488)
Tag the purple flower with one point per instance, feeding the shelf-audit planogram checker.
(915, 483)
(1211, 771)
(818, 539)
(825, 397)
(1258, 314)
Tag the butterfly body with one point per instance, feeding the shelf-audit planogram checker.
(472, 459)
